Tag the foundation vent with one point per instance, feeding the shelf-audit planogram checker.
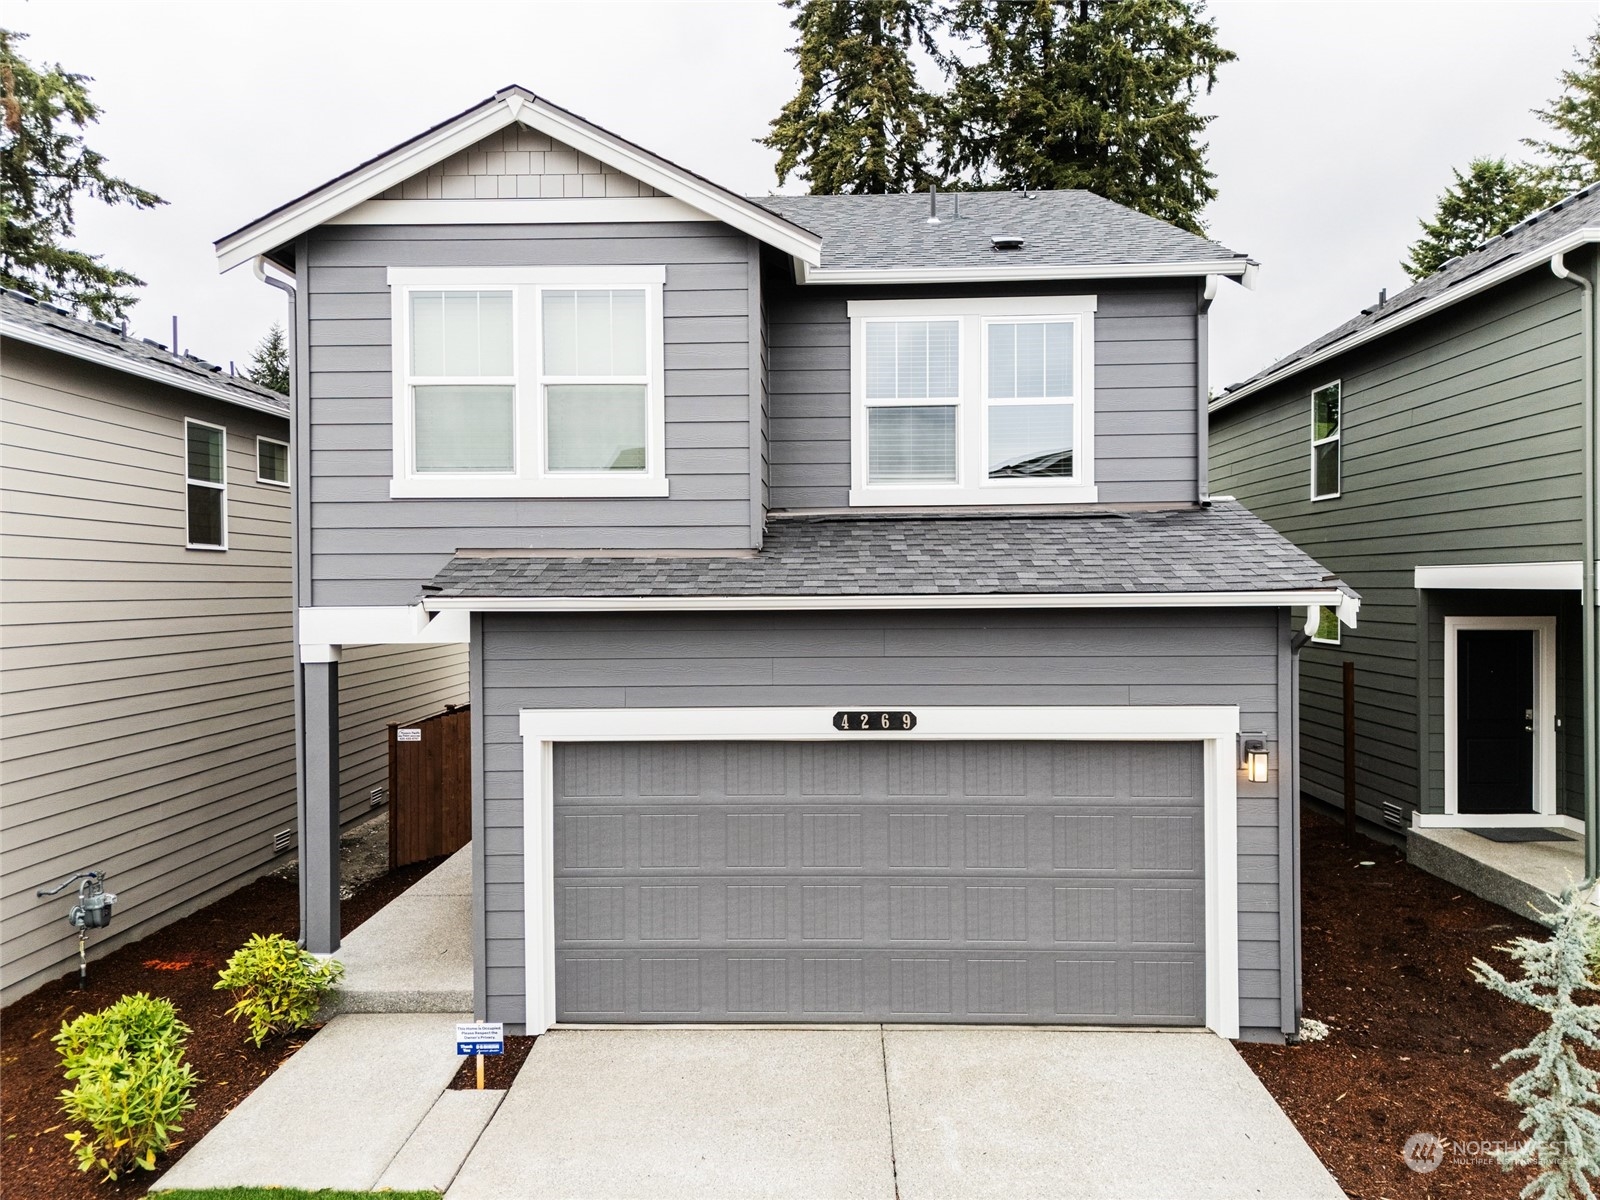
(282, 840)
(1394, 814)
(378, 797)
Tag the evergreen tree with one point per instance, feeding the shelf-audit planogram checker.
(860, 121)
(269, 364)
(1095, 94)
(1558, 1094)
(44, 167)
(1572, 153)
(1490, 198)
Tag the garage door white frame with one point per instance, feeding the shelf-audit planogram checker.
(1216, 727)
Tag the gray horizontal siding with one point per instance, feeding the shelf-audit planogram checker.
(368, 549)
(1461, 444)
(1145, 399)
(889, 660)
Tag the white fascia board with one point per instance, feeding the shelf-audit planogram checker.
(1514, 577)
(1002, 274)
(176, 377)
(1493, 277)
(1347, 605)
(553, 211)
(387, 625)
(323, 206)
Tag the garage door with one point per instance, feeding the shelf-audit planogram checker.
(880, 881)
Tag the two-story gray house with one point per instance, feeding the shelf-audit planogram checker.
(1439, 450)
(852, 636)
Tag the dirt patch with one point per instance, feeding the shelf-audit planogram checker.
(363, 856)
(1414, 1039)
(179, 962)
(499, 1070)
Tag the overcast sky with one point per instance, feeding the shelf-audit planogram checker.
(1334, 131)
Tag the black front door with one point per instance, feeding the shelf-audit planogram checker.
(1494, 720)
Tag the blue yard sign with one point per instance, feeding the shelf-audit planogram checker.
(481, 1037)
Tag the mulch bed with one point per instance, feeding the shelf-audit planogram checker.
(1414, 1042)
(498, 1069)
(181, 963)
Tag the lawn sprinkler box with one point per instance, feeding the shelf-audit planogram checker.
(481, 1037)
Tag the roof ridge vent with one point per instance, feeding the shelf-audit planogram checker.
(1005, 241)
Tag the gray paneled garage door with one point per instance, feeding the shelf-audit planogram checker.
(880, 881)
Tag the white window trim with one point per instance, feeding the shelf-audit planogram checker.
(1544, 718)
(1337, 436)
(189, 482)
(1215, 727)
(973, 486)
(531, 478)
(287, 465)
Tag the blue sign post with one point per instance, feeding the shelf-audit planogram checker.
(480, 1038)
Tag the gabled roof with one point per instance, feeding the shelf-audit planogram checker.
(1566, 225)
(512, 104)
(889, 239)
(29, 320)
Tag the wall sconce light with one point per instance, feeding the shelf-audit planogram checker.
(1253, 756)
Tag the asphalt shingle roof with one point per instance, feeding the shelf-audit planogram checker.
(185, 370)
(1543, 228)
(1223, 548)
(1067, 228)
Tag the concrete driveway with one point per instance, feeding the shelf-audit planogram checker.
(886, 1113)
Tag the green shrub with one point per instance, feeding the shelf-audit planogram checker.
(130, 1084)
(276, 984)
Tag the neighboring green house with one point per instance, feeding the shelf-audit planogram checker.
(1432, 452)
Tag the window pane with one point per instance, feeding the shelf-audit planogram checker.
(595, 427)
(911, 339)
(627, 333)
(560, 333)
(272, 461)
(205, 515)
(913, 360)
(1030, 361)
(592, 332)
(1058, 349)
(205, 454)
(944, 359)
(592, 341)
(464, 430)
(460, 333)
(1002, 361)
(1030, 441)
(1325, 465)
(1325, 413)
(427, 333)
(914, 444)
(880, 361)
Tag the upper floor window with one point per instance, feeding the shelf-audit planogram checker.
(979, 401)
(528, 382)
(206, 484)
(1325, 467)
(272, 461)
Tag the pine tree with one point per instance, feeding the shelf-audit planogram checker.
(1095, 94)
(44, 167)
(269, 363)
(1572, 153)
(860, 121)
(1490, 198)
(1558, 1094)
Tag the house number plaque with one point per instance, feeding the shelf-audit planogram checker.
(857, 720)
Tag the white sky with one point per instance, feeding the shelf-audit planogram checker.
(1335, 130)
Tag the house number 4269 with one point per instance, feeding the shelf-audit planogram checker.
(854, 721)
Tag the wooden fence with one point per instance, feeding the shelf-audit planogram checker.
(430, 786)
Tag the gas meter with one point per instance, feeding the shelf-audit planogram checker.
(92, 911)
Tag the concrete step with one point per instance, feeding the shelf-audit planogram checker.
(431, 1158)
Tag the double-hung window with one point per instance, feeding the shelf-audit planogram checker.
(1325, 442)
(528, 382)
(973, 401)
(206, 484)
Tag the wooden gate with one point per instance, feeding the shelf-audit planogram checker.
(430, 786)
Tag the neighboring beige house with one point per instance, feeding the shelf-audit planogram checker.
(146, 648)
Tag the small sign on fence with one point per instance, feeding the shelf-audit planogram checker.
(408, 735)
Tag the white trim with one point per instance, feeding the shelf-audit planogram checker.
(382, 625)
(340, 195)
(612, 210)
(173, 376)
(1544, 707)
(972, 485)
(1237, 269)
(1516, 577)
(1538, 257)
(1216, 727)
(529, 476)
(1421, 820)
(1336, 438)
(189, 481)
(283, 483)
(1347, 605)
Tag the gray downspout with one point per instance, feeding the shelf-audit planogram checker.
(1591, 531)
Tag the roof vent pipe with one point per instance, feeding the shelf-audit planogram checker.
(933, 204)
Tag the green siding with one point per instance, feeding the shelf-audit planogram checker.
(1462, 443)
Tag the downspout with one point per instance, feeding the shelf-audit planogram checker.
(1588, 617)
(1202, 388)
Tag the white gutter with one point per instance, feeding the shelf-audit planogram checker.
(1346, 605)
(173, 376)
(1416, 312)
(1240, 269)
